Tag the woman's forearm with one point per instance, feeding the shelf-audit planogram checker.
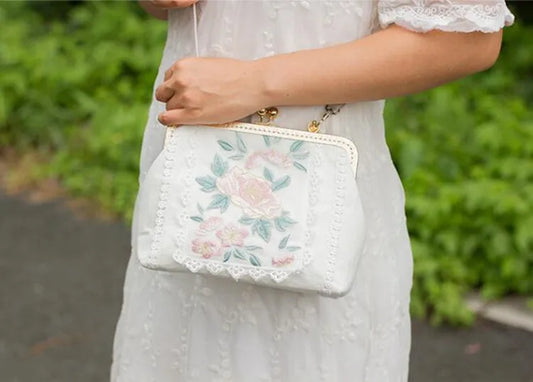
(386, 64)
(390, 63)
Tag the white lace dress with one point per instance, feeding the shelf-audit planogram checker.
(186, 327)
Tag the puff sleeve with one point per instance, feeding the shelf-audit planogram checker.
(446, 15)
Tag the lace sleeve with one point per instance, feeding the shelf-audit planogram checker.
(447, 15)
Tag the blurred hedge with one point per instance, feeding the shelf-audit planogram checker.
(77, 83)
(465, 155)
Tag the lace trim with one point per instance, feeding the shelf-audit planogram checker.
(314, 181)
(163, 197)
(336, 225)
(459, 17)
(183, 218)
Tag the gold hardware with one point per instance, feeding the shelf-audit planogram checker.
(270, 112)
(314, 125)
(273, 112)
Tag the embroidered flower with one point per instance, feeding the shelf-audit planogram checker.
(210, 225)
(272, 156)
(277, 158)
(231, 235)
(251, 193)
(251, 162)
(204, 247)
(281, 261)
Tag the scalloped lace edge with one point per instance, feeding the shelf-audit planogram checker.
(456, 18)
(236, 271)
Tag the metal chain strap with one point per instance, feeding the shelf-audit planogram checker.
(314, 125)
(267, 115)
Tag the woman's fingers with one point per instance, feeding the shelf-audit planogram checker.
(171, 85)
(168, 73)
(169, 118)
(172, 3)
(176, 117)
(164, 92)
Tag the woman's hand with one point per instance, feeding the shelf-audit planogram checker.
(166, 4)
(209, 91)
(159, 8)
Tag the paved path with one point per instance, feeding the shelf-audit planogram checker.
(60, 294)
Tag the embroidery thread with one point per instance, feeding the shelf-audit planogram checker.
(246, 183)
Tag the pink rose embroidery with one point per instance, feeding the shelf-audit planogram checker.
(249, 192)
(251, 162)
(231, 235)
(209, 225)
(277, 158)
(271, 156)
(281, 261)
(204, 248)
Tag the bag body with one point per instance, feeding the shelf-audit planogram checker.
(259, 204)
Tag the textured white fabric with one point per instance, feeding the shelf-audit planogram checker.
(185, 327)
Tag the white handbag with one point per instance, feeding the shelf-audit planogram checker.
(254, 203)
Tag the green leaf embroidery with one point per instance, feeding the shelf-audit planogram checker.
(238, 254)
(263, 229)
(300, 155)
(252, 247)
(198, 219)
(227, 255)
(200, 209)
(219, 166)
(240, 144)
(225, 145)
(292, 249)
(219, 201)
(236, 157)
(287, 218)
(208, 183)
(246, 220)
(268, 175)
(267, 140)
(299, 166)
(296, 146)
(281, 183)
(254, 260)
(283, 242)
(283, 222)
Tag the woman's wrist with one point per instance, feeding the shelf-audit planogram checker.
(265, 78)
(289, 79)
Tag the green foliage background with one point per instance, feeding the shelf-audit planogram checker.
(76, 82)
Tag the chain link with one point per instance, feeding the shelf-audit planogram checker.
(314, 125)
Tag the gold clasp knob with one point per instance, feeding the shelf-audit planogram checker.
(269, 112)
